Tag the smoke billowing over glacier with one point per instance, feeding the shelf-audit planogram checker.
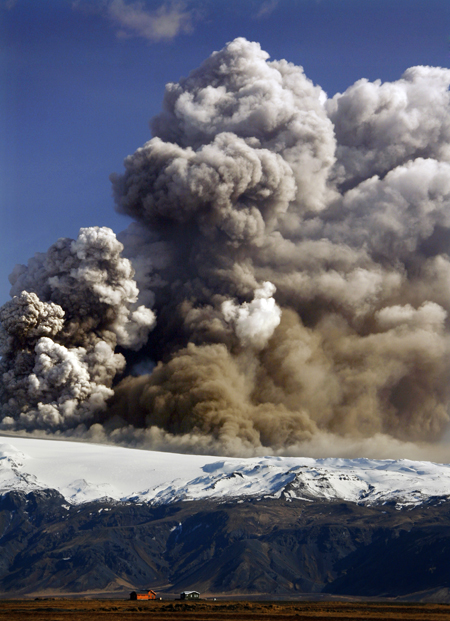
(285, 280)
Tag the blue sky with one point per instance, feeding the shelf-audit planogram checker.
(81, 79)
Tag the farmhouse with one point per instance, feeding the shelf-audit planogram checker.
(143, 595)
(190, 595)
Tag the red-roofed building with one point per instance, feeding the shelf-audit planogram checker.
(143, 594)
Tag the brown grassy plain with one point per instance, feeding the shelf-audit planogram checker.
(102, 610)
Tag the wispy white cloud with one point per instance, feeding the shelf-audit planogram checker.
(267, 8)
(136, 19)
(8, 4)
(165, 23)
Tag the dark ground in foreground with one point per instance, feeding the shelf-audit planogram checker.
(93, 610)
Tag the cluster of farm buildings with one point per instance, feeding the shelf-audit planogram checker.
(150, 594)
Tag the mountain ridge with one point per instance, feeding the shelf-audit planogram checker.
(86, 472)
(262, 526)
(256, 547)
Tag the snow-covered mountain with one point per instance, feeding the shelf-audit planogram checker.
(86, 472)
(86, 518)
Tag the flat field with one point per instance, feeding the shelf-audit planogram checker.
(120, 610)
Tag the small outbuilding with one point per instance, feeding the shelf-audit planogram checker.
(143, 594)
(190, 595)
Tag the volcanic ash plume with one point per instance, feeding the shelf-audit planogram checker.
(70, 308)
(294, 250)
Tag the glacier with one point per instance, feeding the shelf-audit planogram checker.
(85, 472)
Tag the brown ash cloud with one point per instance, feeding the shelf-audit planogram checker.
(294, 251)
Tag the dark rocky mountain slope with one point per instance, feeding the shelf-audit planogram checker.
(252, 547)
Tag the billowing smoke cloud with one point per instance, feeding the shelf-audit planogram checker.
(254, 323)
(70, 308)
(295, 252)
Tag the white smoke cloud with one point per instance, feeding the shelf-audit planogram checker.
(94, 285)
(256, 321)
(381, 126)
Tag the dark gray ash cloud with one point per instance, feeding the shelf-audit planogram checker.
(294, 251)
(70, 308)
